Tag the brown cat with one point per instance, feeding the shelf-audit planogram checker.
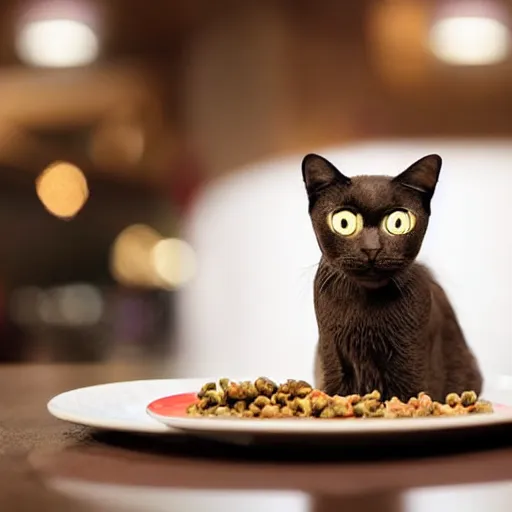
(384, 322)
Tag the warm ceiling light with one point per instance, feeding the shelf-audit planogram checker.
(62, 188)
(57, 43)
(470, 41)
(470, 32)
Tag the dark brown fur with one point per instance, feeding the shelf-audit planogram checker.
(384, 323)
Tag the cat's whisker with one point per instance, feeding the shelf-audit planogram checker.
(398, 286)
(326, 280)
(324, 283)
(339, 278)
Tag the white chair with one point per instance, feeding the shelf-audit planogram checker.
(250, 309)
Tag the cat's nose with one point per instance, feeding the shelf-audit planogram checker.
(371, 253)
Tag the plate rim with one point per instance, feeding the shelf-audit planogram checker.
(54, 407)
(303, 427)
(56, 410)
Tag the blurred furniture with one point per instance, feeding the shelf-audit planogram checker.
(250, 309)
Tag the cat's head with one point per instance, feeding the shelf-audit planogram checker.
(370, 227)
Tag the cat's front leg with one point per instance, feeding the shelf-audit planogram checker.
(328, 370)
(405, 378)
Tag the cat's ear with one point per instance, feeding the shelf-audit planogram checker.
(422, 175)
(318, 173)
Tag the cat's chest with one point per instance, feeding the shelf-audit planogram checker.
(371, 342)
(364, 330)
(361, 325)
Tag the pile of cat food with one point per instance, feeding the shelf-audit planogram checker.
(263, 398)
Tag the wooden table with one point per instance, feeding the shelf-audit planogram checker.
(46, 464)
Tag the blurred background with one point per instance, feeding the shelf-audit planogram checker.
(151, 199)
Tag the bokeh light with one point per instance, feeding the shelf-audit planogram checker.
(57, 43)
(174, 261)
(73, 305)
(80, 304)
(62, 188)
(470, 40)
(130, 259)
(140, 256)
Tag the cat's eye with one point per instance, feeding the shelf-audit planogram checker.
(346, 222)
(399, 222)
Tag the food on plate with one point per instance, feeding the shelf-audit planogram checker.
(263, 398)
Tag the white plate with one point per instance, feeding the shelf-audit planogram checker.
(123, 406)
(120, 405)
